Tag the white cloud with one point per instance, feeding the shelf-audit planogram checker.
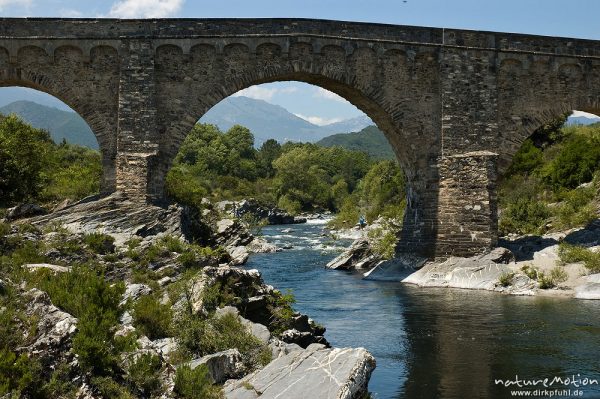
(264, 93)
(145, 8)
(328, 95)
(584, 114)
(317, 120)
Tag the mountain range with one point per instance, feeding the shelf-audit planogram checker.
(265, 120)
(61, 124)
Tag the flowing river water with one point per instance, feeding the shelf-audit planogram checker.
(438, 343)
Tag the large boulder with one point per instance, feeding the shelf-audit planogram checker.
(478, 272)
(24, 211)
(239, 255)
(222, 365)
(590, 289)
(315, 373)
(230, 233)
(260, 245)
(272, 215)
(123, 218)
(134, 291)
(358, 256)
(55, 328)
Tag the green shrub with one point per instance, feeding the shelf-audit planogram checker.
(506, 279)
(173, 244)
(577, 208)
(196, 383)
(84, 293)
(5, 229)
(152, 318)
(530, 272)
(100, 243)
(545, 282)
(143, 374)
(577, 161)
(109, 388)
(24, 153)
(574, 253)
(384, 242)
(19, 375)
(203, 337)
(60, 384)
(290, 205)
(524, 216)
(558, 275)
(282, 313)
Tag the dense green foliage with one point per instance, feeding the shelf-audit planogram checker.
(152, 318)
(574, 253)
(380, 193)
(32, 167)
(544, 187)
(296, 177)
(195, 384)
(370, 140)
(87, 295)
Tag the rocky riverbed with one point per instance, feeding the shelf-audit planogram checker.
(150, 250)
(520, 265)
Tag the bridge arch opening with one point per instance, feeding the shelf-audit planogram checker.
(297, 146)
(85, 79)
(62, 159)
(553, 178)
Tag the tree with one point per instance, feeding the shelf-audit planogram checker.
(23, 155)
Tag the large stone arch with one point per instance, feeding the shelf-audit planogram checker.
(534, 90)
(356, 74)
(63, 75)
(105, 141)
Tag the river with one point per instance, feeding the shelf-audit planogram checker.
(438, 343)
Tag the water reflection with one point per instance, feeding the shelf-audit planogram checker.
(461, 341)
(436, 343)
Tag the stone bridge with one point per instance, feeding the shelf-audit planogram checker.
(454, 104)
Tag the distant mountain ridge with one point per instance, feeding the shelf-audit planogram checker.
(269, 121)
(61, 124)
(265, 120)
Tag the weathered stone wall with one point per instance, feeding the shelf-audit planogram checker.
(455, 105)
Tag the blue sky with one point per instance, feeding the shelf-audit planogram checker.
(569, 18)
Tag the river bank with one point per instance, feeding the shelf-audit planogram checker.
(431, 342)
(168, 309)
(520, 265)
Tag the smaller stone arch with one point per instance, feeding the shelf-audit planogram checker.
(32, 55)
(364, 64)
(203, 52)
(202, 59)
(68, 57)
(333, 60)
(511, 66)
(268, 51)
(4, 58)
(236, 57)
(104, 57)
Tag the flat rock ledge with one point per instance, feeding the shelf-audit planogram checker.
(315, 373)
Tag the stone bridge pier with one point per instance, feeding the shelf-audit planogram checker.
(455, 105)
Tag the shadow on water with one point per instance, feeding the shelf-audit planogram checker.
(435, 343)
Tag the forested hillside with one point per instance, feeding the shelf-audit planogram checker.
(370, 140)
